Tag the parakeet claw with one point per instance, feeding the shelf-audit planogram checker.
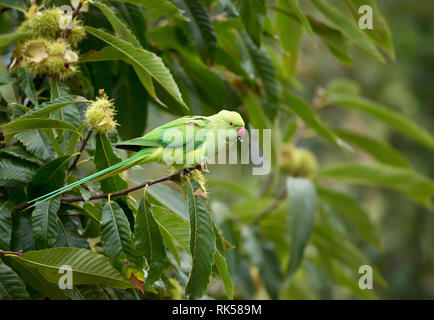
(204, 166)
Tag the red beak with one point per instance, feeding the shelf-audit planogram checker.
(241, 132)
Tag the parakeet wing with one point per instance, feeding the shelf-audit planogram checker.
(155, 138)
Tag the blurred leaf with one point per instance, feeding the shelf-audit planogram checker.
(202, 242)
(334, 39)
(252, 13)
(21, 125)
(380, 33)
(348, 28)
(11, 286)
(222, 267)
(161, 7)
(13, 37)
(143, 59)
(7, 91)
(302, 210)
(379, 150)
(407, 181)
(19, 5)
(116, 236)
(199, 27)
(305, 112)
(299, 13)
(353, 210)
(5, 226)
(381, 112)
(87, 267)
(262, 254)
(149, 241)
(332, 244)
(44, 223)
(290, 34)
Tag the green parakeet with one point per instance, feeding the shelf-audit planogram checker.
(182, 143)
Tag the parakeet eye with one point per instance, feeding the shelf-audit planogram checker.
(231, 123)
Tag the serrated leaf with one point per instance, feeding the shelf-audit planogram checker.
(37, 143)
(252, 13)
(105, 157)
(149, 242)
(87, 267)
(407, 181)
(353, 210)
(264, 69)
(222, 267)
(199, 27)
(10, 171)
(379, 150)
(302, 210)
(382, 113)
(68, 235)
(145, 60)
(177, 227)
(35, 280)
(20, 152)
(105, 54)
(5, 226)
(202, 242)
(11, 286)
(121, 30)
(25, 80)
(348, 28)
(50, 107)
(44, 223)
(21, 125)
(116, 236)
(49, 177)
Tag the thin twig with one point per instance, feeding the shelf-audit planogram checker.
(270, 209)
(170, 177)
(80, 152)
(74, 14)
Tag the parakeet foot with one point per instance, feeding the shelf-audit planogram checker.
(204, 166)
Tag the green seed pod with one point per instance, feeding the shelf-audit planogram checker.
(297, 162)
(100, 113)
(42, 24)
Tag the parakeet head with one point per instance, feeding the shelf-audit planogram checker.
(232, 122)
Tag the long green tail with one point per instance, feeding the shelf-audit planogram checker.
(105, 173)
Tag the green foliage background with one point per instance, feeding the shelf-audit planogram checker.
(358, 101)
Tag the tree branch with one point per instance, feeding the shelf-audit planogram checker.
(169, 177)
(83, 145)
(16, 253)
